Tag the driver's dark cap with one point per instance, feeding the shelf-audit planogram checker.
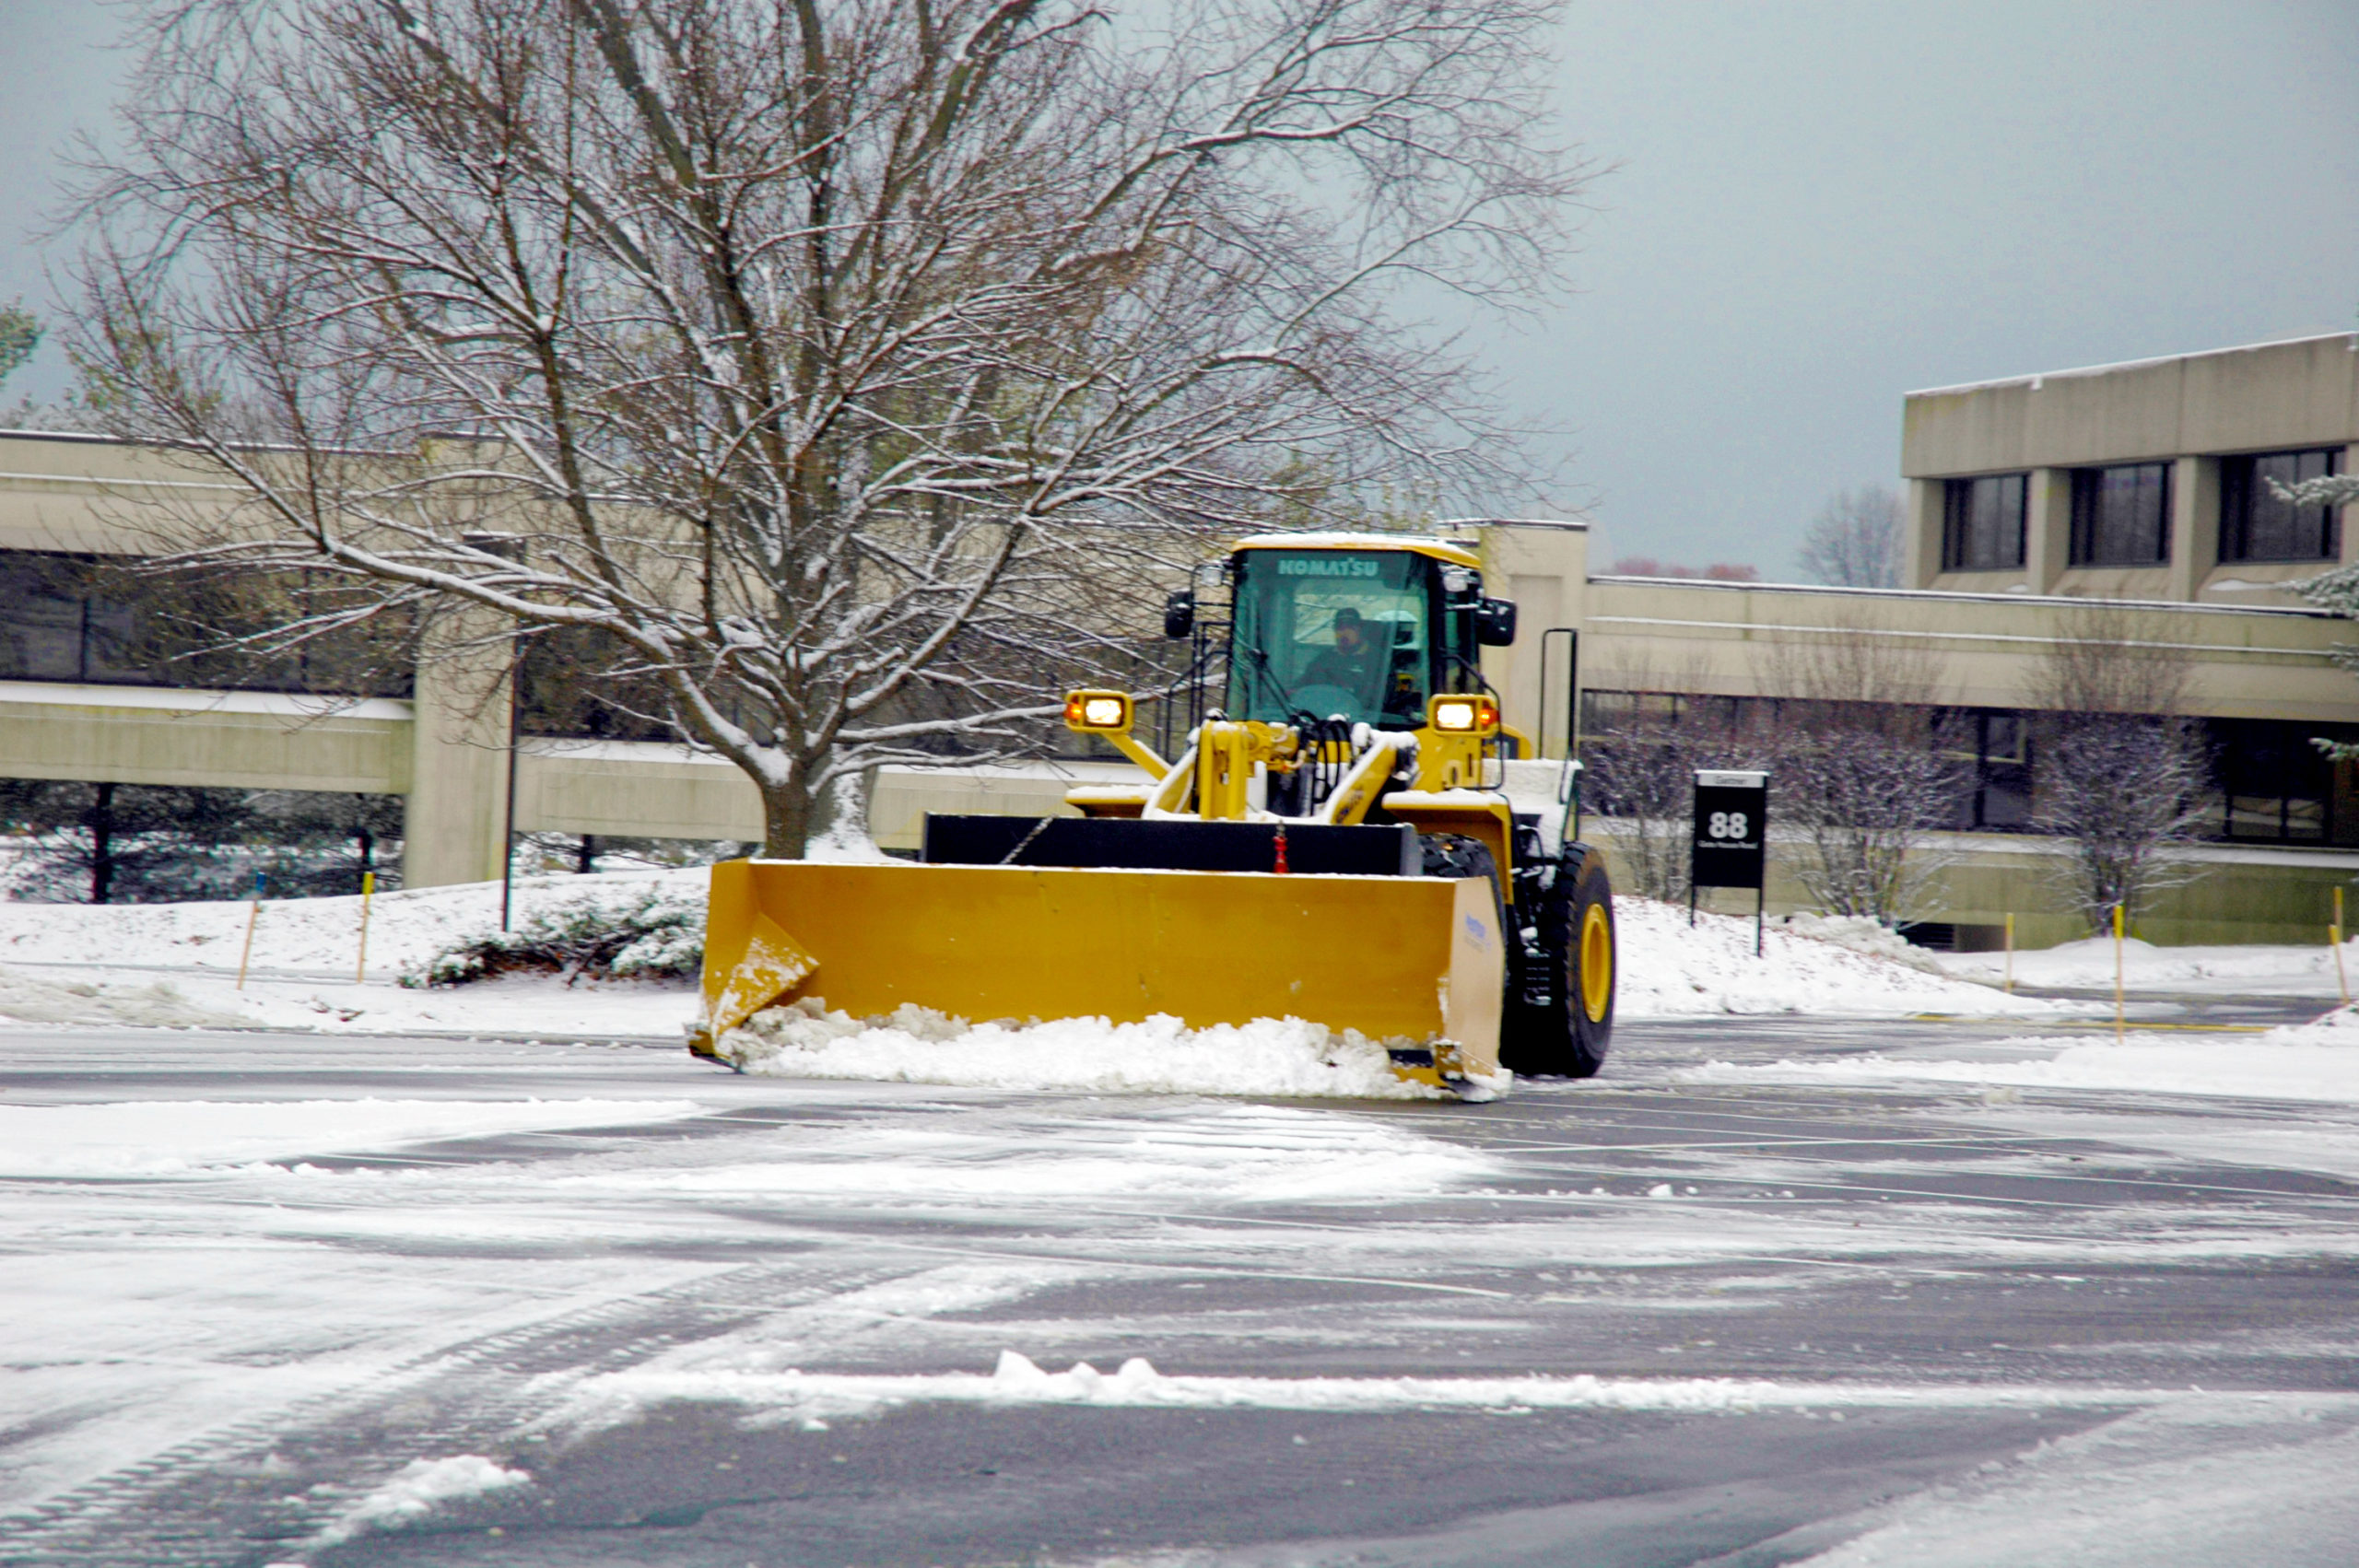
(1347, 617)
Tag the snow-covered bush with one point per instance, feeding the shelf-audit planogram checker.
(652, 935)
(1862, 934)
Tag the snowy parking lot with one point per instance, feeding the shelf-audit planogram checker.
(1776, 1289)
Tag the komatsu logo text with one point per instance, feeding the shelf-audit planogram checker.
(1329, 566)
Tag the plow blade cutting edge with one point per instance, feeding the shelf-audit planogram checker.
(1413, 963)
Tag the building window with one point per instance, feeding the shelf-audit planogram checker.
(2256, 526)
(2121, 515)
(102, 620)
(1982, 523)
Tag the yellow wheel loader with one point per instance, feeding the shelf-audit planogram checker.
(1333, 844)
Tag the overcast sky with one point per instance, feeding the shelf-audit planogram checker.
(1816, 208)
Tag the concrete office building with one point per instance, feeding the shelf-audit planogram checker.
(2135, 494)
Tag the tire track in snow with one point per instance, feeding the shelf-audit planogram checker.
(239, 1495)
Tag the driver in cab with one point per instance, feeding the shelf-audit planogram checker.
(1351, 663)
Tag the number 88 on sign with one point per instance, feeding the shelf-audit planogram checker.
(1732, 819)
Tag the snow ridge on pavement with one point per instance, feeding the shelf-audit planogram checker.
(812, 1399)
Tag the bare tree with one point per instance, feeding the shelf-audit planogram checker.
(2118, 770)
(1864, 770)
(1647, 732)
(838, 364)
(1855, 541)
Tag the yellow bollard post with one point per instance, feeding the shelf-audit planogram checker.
(254, 919)
(2117, 975)
(2334, 934)
(367, 889)
(2011, 952)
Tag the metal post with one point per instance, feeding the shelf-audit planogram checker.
(2342, 980)
(367, 892)
(2116, 974)
(254, 919)
(508, 819)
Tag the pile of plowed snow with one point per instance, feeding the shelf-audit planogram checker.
(1269, 1055)
(1669, 969)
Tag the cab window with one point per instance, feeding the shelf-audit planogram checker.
(1333, 634)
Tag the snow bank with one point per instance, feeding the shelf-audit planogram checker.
(1669, 970)
(915, 1044)
(2088, 965)
(318, 936)
(418, 1489)
(107, 963)
(29, 999)
(813, 1399)
(169, 1137)
(2313, 1061)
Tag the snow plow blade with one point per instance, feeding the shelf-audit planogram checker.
(1413, 963)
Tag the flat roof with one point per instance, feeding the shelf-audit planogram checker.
(2200, 607)
(2037, 377)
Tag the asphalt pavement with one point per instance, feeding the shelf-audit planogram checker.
(1953, 1308)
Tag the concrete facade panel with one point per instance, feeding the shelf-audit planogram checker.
(2265, 397)
(653, 794)
(121, 745)
(2295, 395)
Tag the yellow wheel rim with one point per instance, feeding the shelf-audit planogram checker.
(1597, 963)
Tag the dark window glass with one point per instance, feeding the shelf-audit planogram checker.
(2005, 795)
(75, 618)
(1982, 523)
(2255, 525)
(2272, 782)
(2121, 515)
(574, 681)
(1995, 778)
(40, 616)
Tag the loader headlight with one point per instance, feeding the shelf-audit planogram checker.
(1104, 711)
(1462, 715)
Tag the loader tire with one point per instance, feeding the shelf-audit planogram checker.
(1460, 855)
(1558, 1022)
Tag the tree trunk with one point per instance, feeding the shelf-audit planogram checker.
(787, 822)
(101, 822)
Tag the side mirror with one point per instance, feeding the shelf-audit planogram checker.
(1494, 623)
(1179, 614)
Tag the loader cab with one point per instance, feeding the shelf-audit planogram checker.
(1363, 631)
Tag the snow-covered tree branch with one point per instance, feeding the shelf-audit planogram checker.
(852, 368)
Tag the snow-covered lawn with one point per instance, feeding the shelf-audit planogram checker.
(176, 964)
